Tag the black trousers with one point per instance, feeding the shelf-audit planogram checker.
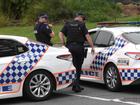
(77, 51)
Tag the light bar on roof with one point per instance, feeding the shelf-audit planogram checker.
(117, 23)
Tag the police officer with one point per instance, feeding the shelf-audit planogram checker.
(43, 31)
(76, 33)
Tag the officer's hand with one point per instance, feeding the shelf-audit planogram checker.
(63, 46)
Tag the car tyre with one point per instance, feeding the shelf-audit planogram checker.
(112, 78)
(38, 86)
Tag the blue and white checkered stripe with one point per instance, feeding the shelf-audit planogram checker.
(65, 77)
(36, 49)
(129, 74)
(101, 58)
(18, 70)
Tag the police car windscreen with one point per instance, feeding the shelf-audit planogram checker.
(133, 37)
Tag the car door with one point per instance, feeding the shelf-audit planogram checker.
(93, 63)
(9, 49)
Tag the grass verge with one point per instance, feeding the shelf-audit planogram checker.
(27, 31)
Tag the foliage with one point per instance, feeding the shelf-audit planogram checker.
(14, 8)
(4, 21)
(28, 10)
(95, 10)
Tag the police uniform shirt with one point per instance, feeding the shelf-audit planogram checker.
(37, 25)
(65, 30)
(43, 32)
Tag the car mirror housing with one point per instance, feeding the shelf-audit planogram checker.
(111, 43)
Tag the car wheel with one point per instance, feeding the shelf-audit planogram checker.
(38, 86)
(111, 78)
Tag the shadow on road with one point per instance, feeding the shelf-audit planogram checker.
(93, 85)
(12, 101)
(131, 89)
(18, 101)
(128, 90)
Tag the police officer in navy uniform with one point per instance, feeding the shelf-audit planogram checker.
(76, 33)
(43, 31)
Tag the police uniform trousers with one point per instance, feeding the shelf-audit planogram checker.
(77, 51)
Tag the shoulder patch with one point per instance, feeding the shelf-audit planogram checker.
(47, 27)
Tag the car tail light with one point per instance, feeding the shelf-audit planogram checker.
(133, 55)
(67, 57)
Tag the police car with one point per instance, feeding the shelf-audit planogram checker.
(116, 61)
(32, 69)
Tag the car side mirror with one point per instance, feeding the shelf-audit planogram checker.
(111, 43)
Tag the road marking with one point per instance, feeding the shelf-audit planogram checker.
(105, 99)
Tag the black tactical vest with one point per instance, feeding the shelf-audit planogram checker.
(74, 33)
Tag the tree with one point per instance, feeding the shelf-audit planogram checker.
(14, 8)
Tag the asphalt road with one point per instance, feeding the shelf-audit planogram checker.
(94, 94)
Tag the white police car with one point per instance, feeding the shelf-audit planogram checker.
(32, 69)
(116, 61)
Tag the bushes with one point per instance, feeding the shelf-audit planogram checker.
(28, 10)
(14, 8)
(4, 21)
(96, 10)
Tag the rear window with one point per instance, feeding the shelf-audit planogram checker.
(133, 37)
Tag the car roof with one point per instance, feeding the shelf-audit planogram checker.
(117, 30)
(122, 29)
(17, 38)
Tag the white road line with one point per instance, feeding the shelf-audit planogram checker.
(105, 99)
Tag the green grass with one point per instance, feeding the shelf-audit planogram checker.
(19, 31)
(27, 31)
(132, 18)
